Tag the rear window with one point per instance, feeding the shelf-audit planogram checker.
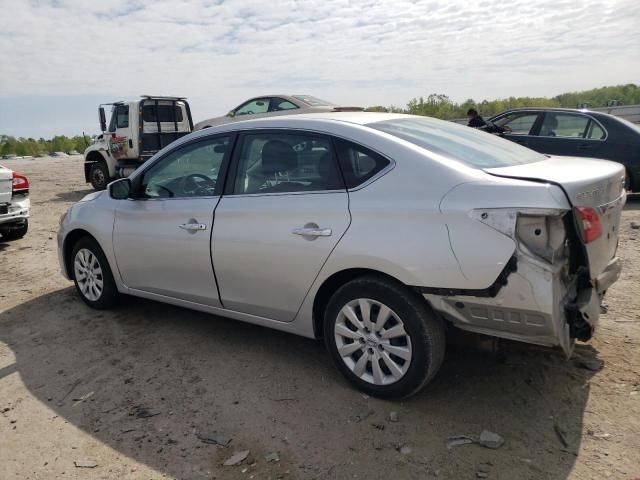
(164, 112)
(313, 101)
(472, 147)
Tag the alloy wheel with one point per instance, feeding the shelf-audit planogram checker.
(372, 341)
(88, 274)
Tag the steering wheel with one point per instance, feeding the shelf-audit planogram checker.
(249, 112)
(190, 183)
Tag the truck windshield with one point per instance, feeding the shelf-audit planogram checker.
(472, 147)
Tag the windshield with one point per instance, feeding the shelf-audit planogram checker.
(472, 147)
(313, 101)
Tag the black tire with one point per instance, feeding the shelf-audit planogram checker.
(15, 233)
(109, 294)
(99, 175)
(628, 181)
(422, 326)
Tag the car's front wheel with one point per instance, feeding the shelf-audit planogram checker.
(383, 337)
(92, 275)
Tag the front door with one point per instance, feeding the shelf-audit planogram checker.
(162, 239)
(286, 210)
(120, 140)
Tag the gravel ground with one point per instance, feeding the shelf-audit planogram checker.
(145, 391)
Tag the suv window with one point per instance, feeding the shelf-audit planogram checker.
(517, 123)
(189, 171)
(259, 105)
(279, 104)
(164, 113)
(358, 163)
(286, 162)
(565, 125)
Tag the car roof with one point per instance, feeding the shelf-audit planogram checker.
(302, 120)
(594, 113)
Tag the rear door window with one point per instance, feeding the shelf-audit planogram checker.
(358, 163)
(279, 104)
(282, 162)
(565, 125)
(595, 131)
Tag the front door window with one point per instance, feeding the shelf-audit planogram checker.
(259, 105)
(191, 171)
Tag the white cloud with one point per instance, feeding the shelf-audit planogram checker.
(353, 52)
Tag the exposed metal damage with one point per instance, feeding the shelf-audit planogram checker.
(545, 294)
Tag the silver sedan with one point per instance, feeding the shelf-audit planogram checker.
(372, 231)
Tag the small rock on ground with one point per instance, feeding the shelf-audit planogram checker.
(236, 458)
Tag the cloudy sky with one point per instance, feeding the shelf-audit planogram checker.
(60, 58)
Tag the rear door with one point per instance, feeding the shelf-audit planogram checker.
(285, 210)
(569, 134)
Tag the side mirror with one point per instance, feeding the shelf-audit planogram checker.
(103, 119)
(120, 189)
(231, 114)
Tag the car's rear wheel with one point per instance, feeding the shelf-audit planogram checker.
(15, 232)
(92, 275)
(383, 337)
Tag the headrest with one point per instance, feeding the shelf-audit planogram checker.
(278, 156)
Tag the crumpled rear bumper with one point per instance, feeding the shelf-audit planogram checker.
(18, 211)
(537, 305)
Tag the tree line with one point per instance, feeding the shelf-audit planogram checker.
(30, 146)
(435, 105)
(441, 106)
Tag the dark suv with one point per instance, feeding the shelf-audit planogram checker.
(576, 133)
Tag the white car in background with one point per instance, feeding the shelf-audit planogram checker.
(14, 204)
(372, 231)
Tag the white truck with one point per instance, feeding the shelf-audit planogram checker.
(137, 131)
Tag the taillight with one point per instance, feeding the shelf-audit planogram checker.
(20, 182)
(591, 226)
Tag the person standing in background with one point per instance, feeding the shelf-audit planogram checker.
(475, 120)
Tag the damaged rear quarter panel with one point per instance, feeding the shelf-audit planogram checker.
(530, 307)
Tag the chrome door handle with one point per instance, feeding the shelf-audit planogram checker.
(192, 227)
(312, 232)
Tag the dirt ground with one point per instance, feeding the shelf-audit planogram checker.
(145, 391)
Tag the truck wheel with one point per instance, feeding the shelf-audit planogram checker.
(99, 175)
(383, 337)
(16, 232)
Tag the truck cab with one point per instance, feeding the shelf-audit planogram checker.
(136, 131)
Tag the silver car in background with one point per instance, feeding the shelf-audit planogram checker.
(372, 231)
